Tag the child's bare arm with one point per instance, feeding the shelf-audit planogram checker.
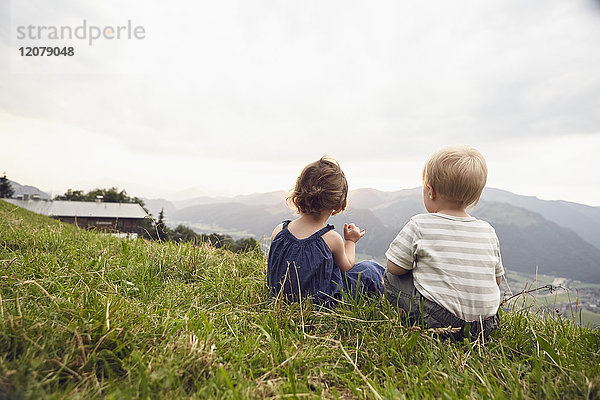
(499, 280)
(352, 234)
(277, 229)
(344, 249)
(395, 269)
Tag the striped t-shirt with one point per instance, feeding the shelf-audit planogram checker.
(455, 262)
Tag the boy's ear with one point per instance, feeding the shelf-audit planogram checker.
(431, 192)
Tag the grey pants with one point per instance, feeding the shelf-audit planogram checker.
(401, 292)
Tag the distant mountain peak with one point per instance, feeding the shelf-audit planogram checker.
(28, 190)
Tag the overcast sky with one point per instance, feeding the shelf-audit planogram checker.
(231, 97)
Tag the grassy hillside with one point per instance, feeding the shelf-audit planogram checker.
(83, 315)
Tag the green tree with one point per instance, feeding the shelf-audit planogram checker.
(184, 233)
(161, 227)
(244, 245)
(140, 202)
(149, 228)
(71, 195)
(217, 240)
(6, 189)
(112, 195)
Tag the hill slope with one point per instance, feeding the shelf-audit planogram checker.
(528, 240)
(85, 315)
(582, 219)
(232, 217)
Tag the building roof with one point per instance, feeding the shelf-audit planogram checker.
(59, 208)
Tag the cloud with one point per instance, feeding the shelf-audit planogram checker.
(288, 81)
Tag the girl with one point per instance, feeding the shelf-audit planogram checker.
(309, 258)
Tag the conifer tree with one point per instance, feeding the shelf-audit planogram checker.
(6, 189)
(161, 228)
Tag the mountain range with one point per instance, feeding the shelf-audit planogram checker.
(26, 190)
(557, 237)
(553, 236)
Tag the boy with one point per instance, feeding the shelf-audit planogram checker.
(444, 267)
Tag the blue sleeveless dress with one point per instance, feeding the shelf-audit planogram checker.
(299, 268)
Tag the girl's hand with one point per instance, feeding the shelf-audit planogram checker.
(353, 233)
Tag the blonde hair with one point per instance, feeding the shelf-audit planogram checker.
(457, 173)
(321, 186)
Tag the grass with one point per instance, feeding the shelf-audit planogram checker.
(85, 315)
(590, 317)
(545, 299)
(522, 278)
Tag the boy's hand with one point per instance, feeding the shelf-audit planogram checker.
(353, 233)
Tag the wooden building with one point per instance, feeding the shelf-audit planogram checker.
(107, 217)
